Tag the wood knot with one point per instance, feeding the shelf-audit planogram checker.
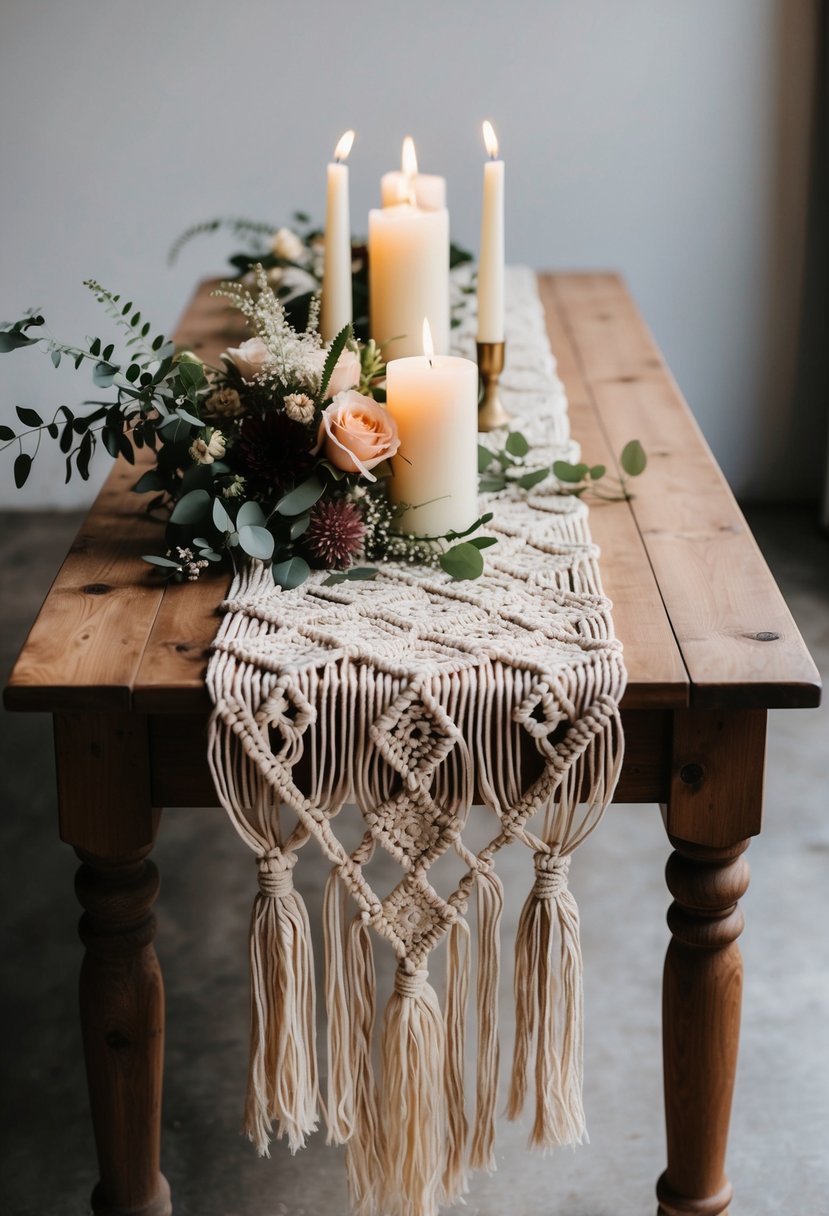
(691, 774)
(97, 588)
(765, 635)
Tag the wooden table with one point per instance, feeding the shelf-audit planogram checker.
(710, 646)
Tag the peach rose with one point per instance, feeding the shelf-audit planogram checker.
(356, 433)
(251, 358)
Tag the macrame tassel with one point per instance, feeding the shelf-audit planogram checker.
(282, 1076)
(339, 1110)
(549, 1008)
(490, 906)
(457, 992)
(413, 1101)
(363, 1149)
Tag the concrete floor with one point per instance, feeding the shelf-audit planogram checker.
(778, 1160)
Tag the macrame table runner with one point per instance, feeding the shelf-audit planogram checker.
(414, 696)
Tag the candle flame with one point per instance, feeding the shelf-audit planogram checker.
(344, 146)
(490, 140)
(428, 344)
(409, 157)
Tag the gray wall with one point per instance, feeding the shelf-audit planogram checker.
(666, 138)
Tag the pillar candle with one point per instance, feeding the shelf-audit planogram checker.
(408, 267)
(335, 305)
(491, 259)
(428, 189)
(434, 401)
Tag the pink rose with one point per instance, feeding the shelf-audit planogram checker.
(251, 358)
(346, 374)
(356, 433)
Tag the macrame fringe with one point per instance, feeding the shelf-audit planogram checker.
(282, 1076)
(455, 1181)
(364, 1147)
(339, 1110)
(490, 907)
(413, 1101)
(548, 1017)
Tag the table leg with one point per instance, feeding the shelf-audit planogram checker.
(714, 807)
(106, 814)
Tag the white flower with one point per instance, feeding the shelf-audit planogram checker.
(205, 451)
(300, 407)
(346, 374)
(250, 358)
(286, 244)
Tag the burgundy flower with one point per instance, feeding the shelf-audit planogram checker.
(272, 452)
(336, 533)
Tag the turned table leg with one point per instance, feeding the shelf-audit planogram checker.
(106, 814)
(714, 808)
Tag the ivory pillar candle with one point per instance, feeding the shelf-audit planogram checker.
(428, 190)
(491, 258)
(434, 401)
(335, 305)
(408, 269)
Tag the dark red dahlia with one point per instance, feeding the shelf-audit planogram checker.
(336, 533)
(272, 453)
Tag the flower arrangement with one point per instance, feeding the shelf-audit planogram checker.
(279, 455)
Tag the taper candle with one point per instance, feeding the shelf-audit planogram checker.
(434, 401)
(335, 305)
(491, 257)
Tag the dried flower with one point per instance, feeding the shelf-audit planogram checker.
(356, 433)
(272, 453)
(336, 532)
(300, 407)
(205, 451)
(224, 403)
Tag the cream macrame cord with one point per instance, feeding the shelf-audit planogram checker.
(412, 696)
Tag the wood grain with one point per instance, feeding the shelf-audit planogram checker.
(738, 640)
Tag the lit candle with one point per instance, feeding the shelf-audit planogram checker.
(335, 308)
(408, 271)
(434, 401)
(491, 260)
(429, 189)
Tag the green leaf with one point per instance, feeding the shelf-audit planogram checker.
(597, 471)
(463, 561)
(192, 508)
(95, 347)
(108, 352)
(6, 433)
(291, 573)
(299, 525)
(302, 498)
(151, 480)
(256, 542)
(490, 483)
(516, 444)
(160, 561)
(337, 348)
(133, 372)
(250, 514)
(104, 373)
(333, 471)
(28, 417)
(565, 471)
(532, 479)
(485, 458)
(191, 374)
(9, 340)
(361, 574)
(633, 459)
(483, 542)
(56, 356)
(190, 419)
(22, 468)
(111, 439)
(221, 518)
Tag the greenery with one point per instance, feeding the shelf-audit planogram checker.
(499, 467)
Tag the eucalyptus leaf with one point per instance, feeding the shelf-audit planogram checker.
(483, 542)
(250, 513)
(463, 561)
(192, 508)
(517, 444)
(299, 525)
(633, 459)
(597, 471)
(160, 561)
(256, 542)
(528, 480)
(332, 470)
(151, 480)
(6, 433)
(291, 573)
(191, 419)
(221, 518)
(56, 357)
(485, 458)
(12, 341)
(22, 468)
(572, 473)
(302, 498)
(28, 417)
(104, 373)
(491, 483)
(190, 374)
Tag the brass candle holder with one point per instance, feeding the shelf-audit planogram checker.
(491, 412)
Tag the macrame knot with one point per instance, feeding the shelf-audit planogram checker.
(275, 876)
(551, 871)
(410, 983)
